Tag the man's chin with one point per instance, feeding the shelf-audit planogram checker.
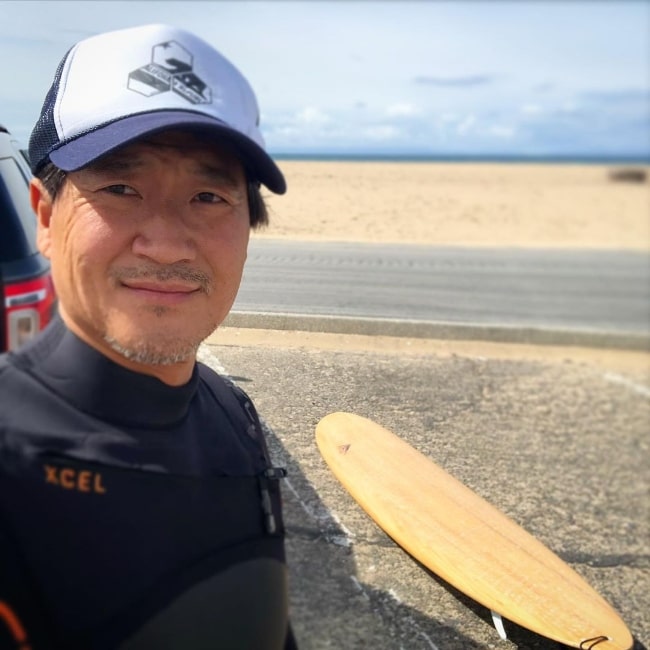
(147, 339)
(149, 354)
(159, 346)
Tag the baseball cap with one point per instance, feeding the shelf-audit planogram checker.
(119, 86)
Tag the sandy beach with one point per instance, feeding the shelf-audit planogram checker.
(521, 205)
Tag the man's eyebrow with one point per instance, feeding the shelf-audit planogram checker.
(125, 164)
(214, 174)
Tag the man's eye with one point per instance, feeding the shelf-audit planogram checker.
(208, 197)
(120, 189)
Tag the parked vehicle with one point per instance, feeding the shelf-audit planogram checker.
(27, 298)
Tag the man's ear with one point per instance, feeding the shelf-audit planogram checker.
(42, 205)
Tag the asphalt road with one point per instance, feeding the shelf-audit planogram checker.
(516, 289)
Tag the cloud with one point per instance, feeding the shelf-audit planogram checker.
(312, 116)
(565, 126)
(531, 109)
(617, 95)
(466, 125)
(402, 110)
(455, 82)
(544, 87)
(502, 131)
(449, 117)
(569, 108)
(381, 132)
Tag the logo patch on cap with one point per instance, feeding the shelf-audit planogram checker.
(170, 69)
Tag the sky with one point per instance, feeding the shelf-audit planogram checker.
(434, 78)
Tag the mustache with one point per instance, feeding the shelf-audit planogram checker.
(162, 273)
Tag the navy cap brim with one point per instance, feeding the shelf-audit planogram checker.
(88, 147)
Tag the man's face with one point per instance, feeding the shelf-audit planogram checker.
(148, 247)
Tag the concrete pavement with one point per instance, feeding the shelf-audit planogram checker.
(534, 334)
(555, 437)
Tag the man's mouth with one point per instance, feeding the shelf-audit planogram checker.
(163, 283)
(162, 293)
(161, 287)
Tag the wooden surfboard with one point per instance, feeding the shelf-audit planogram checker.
(465, 540)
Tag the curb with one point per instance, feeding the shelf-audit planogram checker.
(438, 330)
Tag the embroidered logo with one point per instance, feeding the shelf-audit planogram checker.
(170, 69)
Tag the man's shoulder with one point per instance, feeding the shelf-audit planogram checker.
(11, 374)
(5, 379)
(4, 360)
(235, 401)
(211, 377)
(15, 392)
(17, 364)
(224, 387)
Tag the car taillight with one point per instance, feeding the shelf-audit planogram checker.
(28, 306)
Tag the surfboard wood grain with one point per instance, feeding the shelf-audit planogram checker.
(465, 540)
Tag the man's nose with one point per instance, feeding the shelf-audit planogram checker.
(164, 238)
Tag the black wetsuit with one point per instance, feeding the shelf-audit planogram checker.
(133, 514)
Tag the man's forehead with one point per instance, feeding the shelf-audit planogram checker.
(186, 141)
(174, 138)
(206, 151)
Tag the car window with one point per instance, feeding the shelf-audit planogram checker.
(17, 220)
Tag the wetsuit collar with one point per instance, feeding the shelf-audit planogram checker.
(98, 386)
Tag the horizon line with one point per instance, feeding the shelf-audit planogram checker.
(460, 157)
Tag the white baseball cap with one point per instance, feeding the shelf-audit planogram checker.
(119, 86)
